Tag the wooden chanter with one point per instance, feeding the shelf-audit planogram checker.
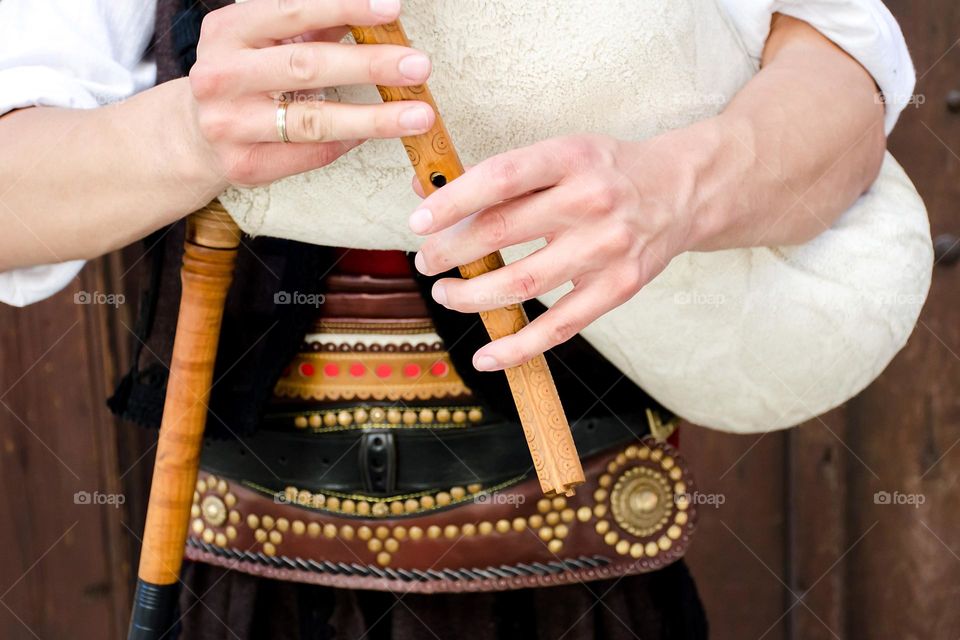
(210, 251)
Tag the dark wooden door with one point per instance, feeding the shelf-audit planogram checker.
(803, 547)
(72, 479)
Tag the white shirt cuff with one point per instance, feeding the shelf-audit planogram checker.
(34, 86)
(865, 29)
(27, 285)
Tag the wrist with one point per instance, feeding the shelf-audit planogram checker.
(197, 164)
(718, 156)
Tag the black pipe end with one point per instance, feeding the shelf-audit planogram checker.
(154, 612)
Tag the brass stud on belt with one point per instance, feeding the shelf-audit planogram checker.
(214, 511)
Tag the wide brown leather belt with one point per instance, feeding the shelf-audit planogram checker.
(634, 514)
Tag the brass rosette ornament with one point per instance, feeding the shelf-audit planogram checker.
(644, 504)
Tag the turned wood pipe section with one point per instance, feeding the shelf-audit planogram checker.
(209, 254)
(545, 426)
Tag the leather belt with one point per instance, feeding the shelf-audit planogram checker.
(400, 460)
(635, 513)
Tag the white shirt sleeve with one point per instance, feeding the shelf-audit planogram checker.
(21, 287)
(69, 53)
(865, 29)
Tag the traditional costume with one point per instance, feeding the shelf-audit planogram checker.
(353, 449)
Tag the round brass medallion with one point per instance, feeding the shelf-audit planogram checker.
(641, 501)
(214, 511)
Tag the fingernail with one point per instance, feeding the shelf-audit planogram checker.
(414, 119)
(386, 8)
(485, 363)
(440, 294)
(415, 67)
(421, 220)
(420, 263)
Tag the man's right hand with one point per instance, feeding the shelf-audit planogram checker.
(251, 53)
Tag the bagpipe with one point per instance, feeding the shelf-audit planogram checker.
(211, 244)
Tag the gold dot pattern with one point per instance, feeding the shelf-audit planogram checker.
(639, 508)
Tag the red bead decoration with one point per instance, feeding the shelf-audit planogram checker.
(357, 370)
(412, 370)
(307, 370)
(331, 370)
(440, 369)
(384, 371)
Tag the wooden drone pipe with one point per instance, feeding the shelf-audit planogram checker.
(209, 254)
(436, 162)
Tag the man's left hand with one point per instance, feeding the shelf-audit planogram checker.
(613, 214)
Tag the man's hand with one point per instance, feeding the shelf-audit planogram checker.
(613, 215)
(250, 53)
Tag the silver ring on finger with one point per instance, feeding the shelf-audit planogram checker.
(282, 118)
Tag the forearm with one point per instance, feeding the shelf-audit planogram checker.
(76, 184)
(80, 183)
(793, 150)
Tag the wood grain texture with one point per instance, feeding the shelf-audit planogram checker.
(903, 576)
(816, 534)
(63, 566)
(739, 555)
(436, 162)
(209, 256)
(862, 569)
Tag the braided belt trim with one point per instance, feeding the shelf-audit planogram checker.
(518, 570)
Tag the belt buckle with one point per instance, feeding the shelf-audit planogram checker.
(378, 462)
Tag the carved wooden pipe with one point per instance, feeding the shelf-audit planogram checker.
(544, 424)
(209, 254)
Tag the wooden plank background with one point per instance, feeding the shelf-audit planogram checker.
(798, 550)
(66, 568)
